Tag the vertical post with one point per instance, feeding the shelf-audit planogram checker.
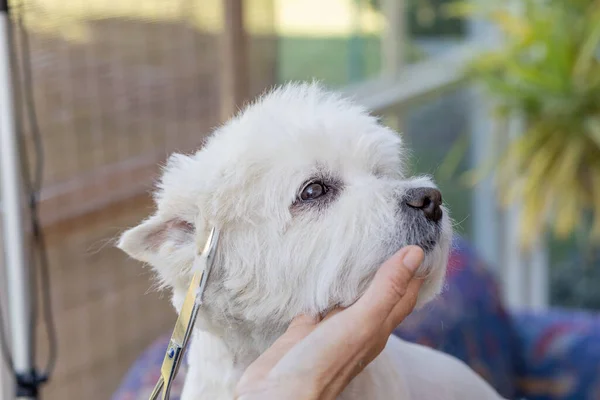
(393, 45)
(485, 209)
(484, 206)
(394, 37)
(516, 278)
(17, 274)
(355, 45)
(234, 60)
(539, 293)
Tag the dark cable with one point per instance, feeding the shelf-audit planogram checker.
(4, 342)
(36, 186)
(36, 182)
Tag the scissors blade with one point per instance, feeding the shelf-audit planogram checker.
(187, 316)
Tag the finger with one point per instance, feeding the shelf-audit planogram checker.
(302, 321)
(299, 328)
(327, 350)
(389, 285)
(341, 346)
(333, 313)
(372, 310)
(374, 345)
(406, 305)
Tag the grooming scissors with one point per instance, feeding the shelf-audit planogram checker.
(186, 319)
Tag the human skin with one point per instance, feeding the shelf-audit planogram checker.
(317, 358)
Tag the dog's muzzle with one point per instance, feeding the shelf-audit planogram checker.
(427, 200)
(422, 215)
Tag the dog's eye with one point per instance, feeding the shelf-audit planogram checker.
(313, 191)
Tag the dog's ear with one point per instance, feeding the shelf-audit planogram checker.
(158, 238)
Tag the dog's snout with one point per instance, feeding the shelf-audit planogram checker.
(428, 200)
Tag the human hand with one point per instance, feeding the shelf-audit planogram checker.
(316, 359)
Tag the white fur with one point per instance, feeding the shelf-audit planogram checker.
(278, 258)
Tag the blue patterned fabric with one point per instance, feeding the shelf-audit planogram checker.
(561, 355)
(549, 356)
(143, 375)
(469, 322)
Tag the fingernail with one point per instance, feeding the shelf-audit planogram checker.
(414, 258)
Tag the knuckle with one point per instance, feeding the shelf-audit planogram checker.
(414, 294)
(397, 285)
(412, 302)
(381, 343)
(366, 332)
(377, 347)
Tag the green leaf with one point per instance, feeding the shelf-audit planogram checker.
(593, 129)
(548, 71)
(589, 49)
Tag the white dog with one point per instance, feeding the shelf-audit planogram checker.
(311, 197)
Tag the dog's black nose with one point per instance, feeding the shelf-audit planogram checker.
(427, 200)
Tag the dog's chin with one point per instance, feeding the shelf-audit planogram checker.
(428, 244)
(435, 243)
(427, 235)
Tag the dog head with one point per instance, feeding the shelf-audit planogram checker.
(310, 194)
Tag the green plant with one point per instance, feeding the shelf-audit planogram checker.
(547, 71)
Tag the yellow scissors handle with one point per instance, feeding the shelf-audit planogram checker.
(185, 320)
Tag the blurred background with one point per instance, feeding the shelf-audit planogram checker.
(498, 100)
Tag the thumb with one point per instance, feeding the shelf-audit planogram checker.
(391, 285)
